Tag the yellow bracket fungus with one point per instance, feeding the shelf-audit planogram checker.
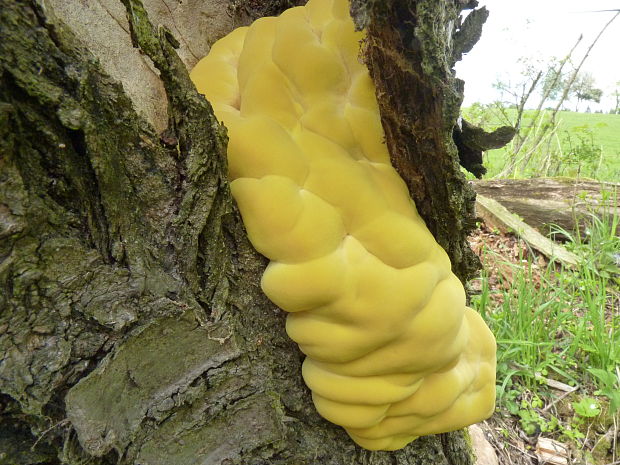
(392, 351)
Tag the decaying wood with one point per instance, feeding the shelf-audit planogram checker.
(411, 55)
(471, 141)
(546, 203)
(552, 452)
(496, 215)
(485, 454)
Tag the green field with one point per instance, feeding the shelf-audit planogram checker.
(585, 144)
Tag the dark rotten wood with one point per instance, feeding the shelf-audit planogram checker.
(410, 51)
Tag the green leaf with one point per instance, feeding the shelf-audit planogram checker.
(606, 378)
(587, 407)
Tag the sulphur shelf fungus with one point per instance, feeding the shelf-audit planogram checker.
(392, 351)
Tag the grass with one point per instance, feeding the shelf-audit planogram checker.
(557, 328)
(560, 325)
(585, 144)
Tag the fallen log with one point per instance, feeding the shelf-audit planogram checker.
(496, 215)
(549, 203)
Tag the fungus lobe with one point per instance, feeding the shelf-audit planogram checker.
(393, 352)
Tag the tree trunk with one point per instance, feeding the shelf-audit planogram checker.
(412, 47)
(132, 325)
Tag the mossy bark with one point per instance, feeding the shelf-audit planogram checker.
(411, 50)
(132, 325)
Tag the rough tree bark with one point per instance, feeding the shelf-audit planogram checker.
(132, 325)
(411, 51)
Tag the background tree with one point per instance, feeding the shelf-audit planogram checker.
(132, 325)
(616, 95)
(583, 88)
(552, 85)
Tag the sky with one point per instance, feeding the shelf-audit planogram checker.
(536, 30)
